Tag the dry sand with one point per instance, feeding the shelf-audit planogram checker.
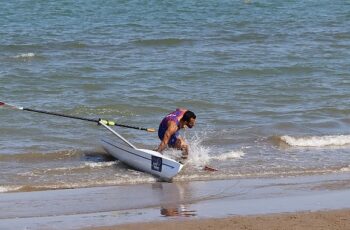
(322, 220)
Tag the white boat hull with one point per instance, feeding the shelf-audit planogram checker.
(143, 159)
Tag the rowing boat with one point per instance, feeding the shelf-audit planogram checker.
(144, 160)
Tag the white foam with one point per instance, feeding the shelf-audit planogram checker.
(85, 165)
(100, 164)
(345, 169)
(25, 55)
(27, 174)
(9, 188)
(229, 155)
(317, 141)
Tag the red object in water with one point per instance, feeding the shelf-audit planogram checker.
(210, 169)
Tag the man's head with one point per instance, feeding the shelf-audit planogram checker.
(189, 119)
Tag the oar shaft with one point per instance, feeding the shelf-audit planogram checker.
(106, 122)
(111, 123)
(60, 115)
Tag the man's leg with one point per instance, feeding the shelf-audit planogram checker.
(181, 144)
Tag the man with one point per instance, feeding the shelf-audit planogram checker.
(168, 131)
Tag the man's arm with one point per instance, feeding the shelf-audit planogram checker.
(172, 128)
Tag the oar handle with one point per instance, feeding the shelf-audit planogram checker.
(112, 123)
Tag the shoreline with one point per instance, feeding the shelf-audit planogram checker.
(212, 202)
(320, 220)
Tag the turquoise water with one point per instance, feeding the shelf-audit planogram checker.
(268, 80)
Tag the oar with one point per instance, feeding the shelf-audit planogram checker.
(106, 122)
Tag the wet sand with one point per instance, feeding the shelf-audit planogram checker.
(325, 220)
(245, 203)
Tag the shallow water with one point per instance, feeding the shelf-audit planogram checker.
(114, 205)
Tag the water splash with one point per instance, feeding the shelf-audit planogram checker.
(198, 153)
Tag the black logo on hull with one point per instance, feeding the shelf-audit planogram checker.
(157, 163)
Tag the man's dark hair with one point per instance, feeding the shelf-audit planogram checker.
(188, 115)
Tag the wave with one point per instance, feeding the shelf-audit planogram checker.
(135, 178)
(163, 42)
(229, 155)
(317, 141)
(20, 47)
(54, 156)
(25, 55)
(100, 164)
(345, 169)
(9, 188)
(34, 157)
(246, 37)
(77, 169)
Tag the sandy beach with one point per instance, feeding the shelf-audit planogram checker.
(323, 220)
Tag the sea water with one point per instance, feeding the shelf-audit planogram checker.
(268, 81)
